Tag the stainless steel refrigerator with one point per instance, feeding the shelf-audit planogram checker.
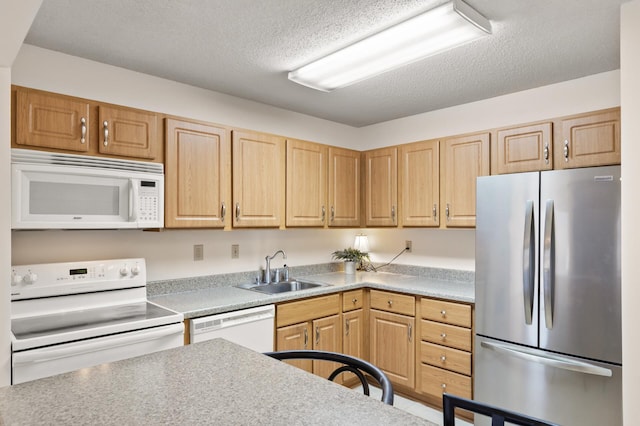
(548, 317)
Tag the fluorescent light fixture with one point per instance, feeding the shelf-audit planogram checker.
(442, 28)
(361, 243)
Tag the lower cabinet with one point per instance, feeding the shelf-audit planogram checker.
(391, 328)
(445, 353)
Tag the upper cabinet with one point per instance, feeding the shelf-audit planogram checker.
(522, 149)
(127, 132)
(419, 183)
(381, 187)
(197, 175)
(591, 139)
(51, 121)
(462, 160)
(344, 187)
(306, 183)
(258, 179)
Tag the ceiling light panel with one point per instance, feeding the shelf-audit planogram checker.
(437, 30)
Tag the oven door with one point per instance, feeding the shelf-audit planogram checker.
(47, 361)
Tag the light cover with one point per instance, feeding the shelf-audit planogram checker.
(442, 28)
(361, 243)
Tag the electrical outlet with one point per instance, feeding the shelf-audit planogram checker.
(408, 246)
(198, 252)
(235, 251)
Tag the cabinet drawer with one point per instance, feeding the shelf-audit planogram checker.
(448, 312)
(445, 357)
(308, 309)
(436, 381)
(447, 335)
(352, 300)
(393, 302)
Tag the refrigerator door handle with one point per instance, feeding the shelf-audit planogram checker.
(549, 360)
(528, 262)
(548, 273)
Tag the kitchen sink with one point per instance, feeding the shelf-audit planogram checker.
(281, 287)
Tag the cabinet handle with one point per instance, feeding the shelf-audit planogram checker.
(410, 332)
(435, 212)
(443, 335)
(83, 130)
(355, 300)
(443, 358)
(223, 211)
(546, 153)
(393, 214)
(444, 386)
(324, 213)
(238, 212)
(105, 129)
(306, 338)
(566, 151)
(390, 302)
(346, 327)
(446, 212)
(443, 313)
(333, 213)
(317, 335)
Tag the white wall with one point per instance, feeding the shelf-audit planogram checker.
(630, 90)
(170, 253)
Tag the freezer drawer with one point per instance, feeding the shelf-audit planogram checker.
(565, 390)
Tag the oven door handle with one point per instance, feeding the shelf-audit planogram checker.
(94, 345)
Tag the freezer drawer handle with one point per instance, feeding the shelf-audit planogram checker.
(548, 272)
(528, 262)
(549, 360)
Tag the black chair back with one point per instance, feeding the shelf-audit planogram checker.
(498, 415)
(351, 364)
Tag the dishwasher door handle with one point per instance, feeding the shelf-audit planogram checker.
(233, 319)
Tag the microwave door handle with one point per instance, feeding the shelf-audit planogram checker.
(133, 201)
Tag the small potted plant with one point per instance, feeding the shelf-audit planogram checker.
(351, 257)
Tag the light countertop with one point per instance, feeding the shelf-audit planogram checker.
(228, 298)
(213, 382)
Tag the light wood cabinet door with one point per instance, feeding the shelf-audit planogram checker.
(295, 337)
(327, 336)
(589, 140)
(522, 149)
(353, 341)
(127, 132)
(306, 183)
(419, 183)
(463, 159)
(344, 187)
(52, 121)
(381, 187)
(392, 346)
(258, 180)
(197, 175)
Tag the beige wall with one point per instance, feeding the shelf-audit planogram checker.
(630, 93)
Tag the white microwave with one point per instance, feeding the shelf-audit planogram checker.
(66, 191)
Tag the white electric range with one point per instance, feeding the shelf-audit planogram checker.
(68, 316)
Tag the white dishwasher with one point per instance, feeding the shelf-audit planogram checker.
(252, 328)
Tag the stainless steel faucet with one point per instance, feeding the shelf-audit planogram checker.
(268, 259)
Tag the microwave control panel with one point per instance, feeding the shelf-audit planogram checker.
(148, 201)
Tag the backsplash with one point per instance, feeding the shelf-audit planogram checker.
(157, 288)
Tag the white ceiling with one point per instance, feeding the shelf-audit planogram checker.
(246, 47)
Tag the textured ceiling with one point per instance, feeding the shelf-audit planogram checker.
(246, 47)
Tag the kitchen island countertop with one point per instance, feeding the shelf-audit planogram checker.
(213, 382)
(228, 298)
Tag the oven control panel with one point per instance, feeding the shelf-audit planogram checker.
(54, 279)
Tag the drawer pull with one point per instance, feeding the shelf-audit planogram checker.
(443, 358)
(443, 312)
(390, 302)
(444, 386)
(443, 335)
(354, 301)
